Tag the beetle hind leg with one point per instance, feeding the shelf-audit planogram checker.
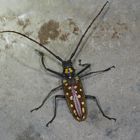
(43, 102)
(100, 108)
(55, 108)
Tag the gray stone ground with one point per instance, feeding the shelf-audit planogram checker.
(24, 83)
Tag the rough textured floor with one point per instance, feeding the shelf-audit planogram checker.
(60, 24)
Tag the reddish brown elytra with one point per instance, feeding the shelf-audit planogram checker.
(71, 80)
(75, 98)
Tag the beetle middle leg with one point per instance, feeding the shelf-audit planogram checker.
(100, 108)
(55, 108)
(97, 72)
(48, 95)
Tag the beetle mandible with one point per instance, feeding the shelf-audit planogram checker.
(71, 80)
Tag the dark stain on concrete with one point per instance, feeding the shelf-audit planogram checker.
(112, 30)
(23, 23)
(53, 30)
(64, 36)
(48, 31)
(118, 30)
(73, 26)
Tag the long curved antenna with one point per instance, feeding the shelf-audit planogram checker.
(87, 30)
(57, 57)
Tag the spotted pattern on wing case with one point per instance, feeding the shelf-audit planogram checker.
(75, 98)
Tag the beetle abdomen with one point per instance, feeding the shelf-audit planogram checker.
(75, 98)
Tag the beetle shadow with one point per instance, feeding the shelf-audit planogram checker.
(29, 134)
(95, 113)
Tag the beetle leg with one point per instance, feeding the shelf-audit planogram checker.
(100, 108)
(98, 72)
(48, 95)
(85, 65)
(55, 108)
(47, 69)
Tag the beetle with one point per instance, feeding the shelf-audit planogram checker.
(71, 80)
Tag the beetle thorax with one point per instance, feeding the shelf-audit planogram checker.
(68, 70)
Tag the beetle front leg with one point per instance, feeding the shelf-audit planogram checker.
(85, 65)
(47, 69)
(55, 108)
(49, 94)
(98, 104)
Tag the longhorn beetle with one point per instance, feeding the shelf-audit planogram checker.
(71, 80)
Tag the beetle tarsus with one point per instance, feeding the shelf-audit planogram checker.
(47, 125)
(39, 52)
(35, 109)
(110, 118)
(109, 68)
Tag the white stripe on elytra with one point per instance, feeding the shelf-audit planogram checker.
(76, 101)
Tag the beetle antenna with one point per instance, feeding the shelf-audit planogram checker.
(57, 57)
(87, 30)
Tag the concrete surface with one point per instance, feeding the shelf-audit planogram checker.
(24, 83)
